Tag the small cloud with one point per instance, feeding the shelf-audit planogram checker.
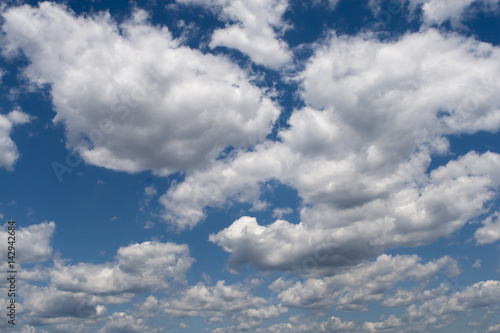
(278, 213)
(183, 325)
(17, 116)
(149, 225)
(114, 218)
(150, 191)
(2, 73)
(101, 182)
(477, 264)
(1, 216)
(259, 206)
(206, 278)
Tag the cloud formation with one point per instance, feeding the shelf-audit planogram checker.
(130, 96)
(8, 149)
(252, 27)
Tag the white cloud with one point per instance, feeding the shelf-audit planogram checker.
(396, 103)
(8, 149)
(490, 231)
(279, 212)
(214, 300)
(2, 74)
(256, 31)
(439, 308)
(259, 206)
(235, 301)
(477, 264)
(32, 242)
(440, 11)
(142, 100)
(352, 289)
(121, 322)
(50, 306)
(150, 191)
(138, 268)
(494, 328)
(304, 324)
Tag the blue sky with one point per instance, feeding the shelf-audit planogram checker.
(252, 166)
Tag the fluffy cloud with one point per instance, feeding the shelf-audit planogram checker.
(489, 232)
(439, 11)
(237, 301)
(255, 29)
(354, 288)
(121, 322)
(279, 212)
(32, 242)
(138, 268)
(8, 149)
(302, 324)
(136, 100)
(395, 102)
(64, 310)
(438, 307)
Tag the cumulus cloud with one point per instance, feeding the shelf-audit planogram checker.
(237, 301)
(138, 268)
(279, 212)
(439, 307)
(33, 241)
(489, 232)
(252, 27)
(8, 149)
(354, 288)
(121, 322)
(439, 11)
(396, 103)
(136, 100)
(303, 324)
(50, 306)
(493, 328)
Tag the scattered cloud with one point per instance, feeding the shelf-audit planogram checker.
(8, 149)
(138, 268)
(278, 213)
(252, 28)
(354, 288)
(490, 231)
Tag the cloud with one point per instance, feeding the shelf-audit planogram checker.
(396, 104)
(438, 307)
(8, 149)
(32, 242)
(279, 212)
(121, 322)
(245, 310)
(138, 268)
(50, 306)
(477, 264)
(490, 231)
(494, 328)
(259, 206)
(150, 191)
(439, 11)
(252, 27)
(354, 288)
(136, 100)
(303, 324)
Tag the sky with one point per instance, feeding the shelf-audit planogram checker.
(233, 166)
